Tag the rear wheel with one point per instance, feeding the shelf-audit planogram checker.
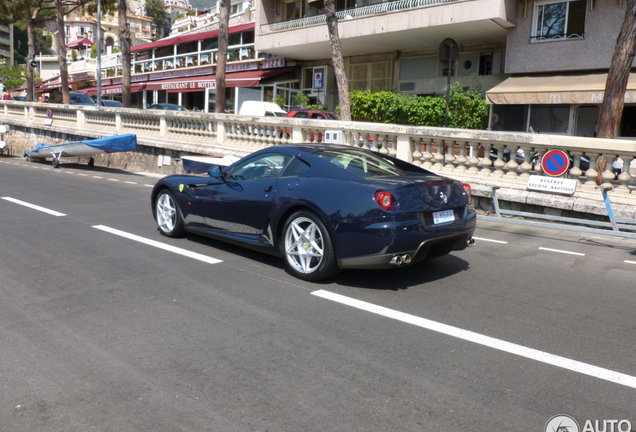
(168, 215)
(55, 162)
(307, 247)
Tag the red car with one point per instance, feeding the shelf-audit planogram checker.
(313, 114)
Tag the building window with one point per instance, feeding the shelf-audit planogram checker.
(373, 77)
(557, 20)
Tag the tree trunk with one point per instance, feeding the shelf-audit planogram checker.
(124, 44)
(338, 63)
(30, 73)
(61, 54)
(614, 97)
(224, 22)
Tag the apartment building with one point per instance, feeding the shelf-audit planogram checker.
(181, 69)
(541, 63)
(6, 44)
(390, 45)
(558, 56)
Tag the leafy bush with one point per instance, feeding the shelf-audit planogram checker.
(467, 109)
(301, 99)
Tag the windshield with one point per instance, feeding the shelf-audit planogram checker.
(361, 163)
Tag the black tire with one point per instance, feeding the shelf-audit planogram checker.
(28, 158)
(55, 162)
(307, 247)
(168, 215)
(91, 162)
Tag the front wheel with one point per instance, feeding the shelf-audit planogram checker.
(307, 247)
(168, 215)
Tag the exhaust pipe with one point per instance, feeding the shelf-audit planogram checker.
(406, 259)
(470, 242)
(396, 261)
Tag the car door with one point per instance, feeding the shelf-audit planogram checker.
(240, 203)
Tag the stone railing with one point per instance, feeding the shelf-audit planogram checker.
(478, 157)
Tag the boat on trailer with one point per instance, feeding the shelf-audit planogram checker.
(88, 147)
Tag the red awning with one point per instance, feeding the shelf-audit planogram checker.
(236, 79)
(198, 83)
(190, 38)
(113, 89)
(81, 43)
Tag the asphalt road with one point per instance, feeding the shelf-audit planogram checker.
(104, 327)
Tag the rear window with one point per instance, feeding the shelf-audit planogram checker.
(361, 163)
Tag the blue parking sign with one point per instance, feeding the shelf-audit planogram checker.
(317, 80)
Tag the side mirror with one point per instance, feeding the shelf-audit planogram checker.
(215, 172)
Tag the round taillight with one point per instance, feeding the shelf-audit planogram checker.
(468, 189)
(385, 199)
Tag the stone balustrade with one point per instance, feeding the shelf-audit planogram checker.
(475, 156)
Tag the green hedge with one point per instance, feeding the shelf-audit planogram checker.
(467, 108)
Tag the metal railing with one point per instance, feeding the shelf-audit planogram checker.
(357, 12)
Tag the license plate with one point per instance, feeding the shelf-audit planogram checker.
(443, 216)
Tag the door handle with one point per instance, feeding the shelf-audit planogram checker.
(268, 189)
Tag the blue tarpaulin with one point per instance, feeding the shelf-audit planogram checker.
(116, 143)
(112, 144)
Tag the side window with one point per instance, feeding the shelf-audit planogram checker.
(317, 116)
(301, 114)
(268, 165)
(295, 168)
(554, 20)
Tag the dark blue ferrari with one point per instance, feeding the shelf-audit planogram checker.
(322, 208)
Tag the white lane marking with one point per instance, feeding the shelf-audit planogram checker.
(490, 240)
(112, 179)
(98, 177)
(130, 182)
(33, 206)
(159, 245)
(147, 185)
(490, 342)
(630, 262)
(561, 251)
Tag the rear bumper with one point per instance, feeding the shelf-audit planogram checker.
(458, 241)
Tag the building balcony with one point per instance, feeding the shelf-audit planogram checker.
(398, 25)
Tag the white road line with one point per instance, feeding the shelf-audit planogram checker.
(159, 245)
(112, 179)
(498, 344)
(147, 185)
(130, 182)
(630, 262)
(490, 240)
(98, 177)
(34, 207)
(561, 251)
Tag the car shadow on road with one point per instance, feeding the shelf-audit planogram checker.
(396, 279)
(393, 279)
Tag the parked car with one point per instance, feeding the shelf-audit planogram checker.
(323, 207)
(19, 98)
(167, 107)
(79, 98)
(258, 108)
(111, 103)
(313, 114)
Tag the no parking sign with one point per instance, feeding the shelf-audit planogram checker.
(555, 163)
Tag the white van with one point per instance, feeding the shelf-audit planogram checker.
(258, 108)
